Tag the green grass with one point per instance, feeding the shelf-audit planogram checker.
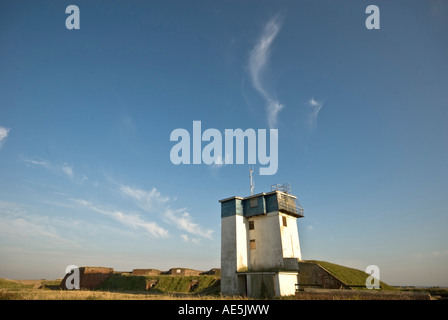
(352, 277)
(53, 283)
(118, 287)
(434, 291)
(166, 284)
(13, 284)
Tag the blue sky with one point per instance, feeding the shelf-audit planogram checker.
(86, 117)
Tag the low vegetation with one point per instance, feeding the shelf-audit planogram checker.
(125, 286)
(163, 284)
(49, 290)
(14, 285)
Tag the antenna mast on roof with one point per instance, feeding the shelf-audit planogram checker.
(251, 181)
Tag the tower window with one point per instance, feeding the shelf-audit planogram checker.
(251, 225)
(252, 244)
(253, 202)
(285, 224)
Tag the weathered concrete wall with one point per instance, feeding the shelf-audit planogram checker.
(146, 272)
(287, 283)
(273, 241)
(212, 272)
(233, 252)
(183, 272)
(290, 264)
(290, 237)
(250, 209)
(231, 206)
(267, 254)
(311, 275)
(261, 285)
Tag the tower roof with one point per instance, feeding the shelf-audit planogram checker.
(257, 195)
(262, 203)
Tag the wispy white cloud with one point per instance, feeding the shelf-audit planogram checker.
(220, 162)
(3, 134)
(147, 200)
(186, 238)
(153, 201)
(258, 63)
(313, 112)
(20, 225)
(183, 221)
(59, 169)
(36, 162)
(68, 170)
(431, 254)
(130, 219)
(438, 253)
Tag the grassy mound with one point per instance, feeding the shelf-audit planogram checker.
(351, 277)
(165, 284)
